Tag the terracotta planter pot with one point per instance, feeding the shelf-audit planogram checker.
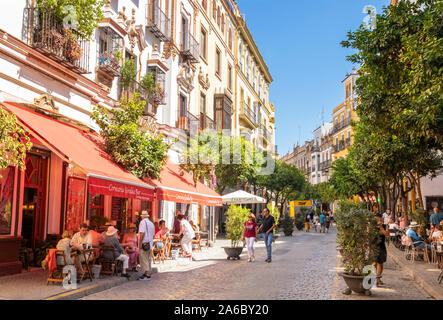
(355, 283)
(233, 253)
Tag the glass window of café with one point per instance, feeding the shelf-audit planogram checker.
(6, 199)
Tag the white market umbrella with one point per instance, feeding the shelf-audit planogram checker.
(241, 197)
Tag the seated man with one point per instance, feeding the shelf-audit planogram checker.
(111, 239)
(416, 238)
(80, 241)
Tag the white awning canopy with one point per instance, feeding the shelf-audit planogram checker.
(241, 197)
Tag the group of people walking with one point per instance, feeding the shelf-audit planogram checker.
(251, 231)
(322, 221)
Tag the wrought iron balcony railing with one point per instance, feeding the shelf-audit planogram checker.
(206, 122)
(189, 47)
(248, 113)
(46, 33)
(325, 165)
(157, 22)
(341, 125)
(188, 122)
(266, 133)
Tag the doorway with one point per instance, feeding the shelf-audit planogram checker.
(34, 199)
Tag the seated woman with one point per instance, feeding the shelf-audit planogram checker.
(64, 245)
(132, 250)
(437, 233)
(162, 234)
(111, 239)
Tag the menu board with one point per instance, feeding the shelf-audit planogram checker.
(116, 208)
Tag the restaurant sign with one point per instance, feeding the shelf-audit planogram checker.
(118, 189)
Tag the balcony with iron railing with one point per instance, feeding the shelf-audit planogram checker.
(325, 165)
(341, 125)
(158, 22)
(188, 123)
(46, 33)
(189, 47)
(266, 133)
(340, 146)
(110, 46)
(150, 96)
(206, 122)
(248, 114)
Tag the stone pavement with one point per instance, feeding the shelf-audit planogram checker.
(398, 284)
(303, 267)
(425, 274)
(32, 285)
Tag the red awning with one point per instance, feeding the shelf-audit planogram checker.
(172, 186)
(82, 148)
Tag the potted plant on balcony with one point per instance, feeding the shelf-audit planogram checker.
(128, 73)
(236, 216)
(73, 50)
(357, 238)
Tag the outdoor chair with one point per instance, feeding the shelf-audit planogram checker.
(196, 242)
(158, 254)
(108, 266)
(57, 275)
(414, 252)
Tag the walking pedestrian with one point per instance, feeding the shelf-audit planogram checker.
(436, 218)
(267, 227)
(146, 232)
(327, 222)
(307, 222)
(381, 244)
(322, 222)
(387, 216)
(250, 235)
(316, 222)
(188, 233)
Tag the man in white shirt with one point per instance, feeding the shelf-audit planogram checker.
(146, 232)
(81, 241)
(386, 216)
(188, 233)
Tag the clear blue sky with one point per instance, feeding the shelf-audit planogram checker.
(300, 42)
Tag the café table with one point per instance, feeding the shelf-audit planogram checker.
(88, 255)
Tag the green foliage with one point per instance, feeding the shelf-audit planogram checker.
(287, 223)
(147, 82)
(14, 142)
(284, 184)
(129, 144)
(419, 216)
(299, 220)
(88, 13)
(400, 105)
(273, 211)
(345, 180)
(128, 73)
(212, 150)
(357, 235)
(236, 216)
(347, 206)
(324, 191)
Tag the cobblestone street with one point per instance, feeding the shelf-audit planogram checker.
(303, 267)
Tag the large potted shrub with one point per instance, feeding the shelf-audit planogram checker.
(357, 236)
(299, 221)
(287, 224)
(236, 216)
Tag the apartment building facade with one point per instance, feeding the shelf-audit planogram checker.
(342, 116)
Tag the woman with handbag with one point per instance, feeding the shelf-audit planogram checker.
(130, 239)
